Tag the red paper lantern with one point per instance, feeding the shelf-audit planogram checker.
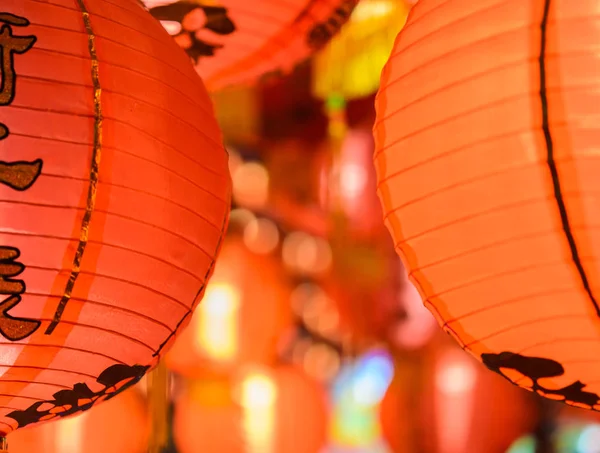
(119, 426)
(279, 410)
(235, 41)
(461, 405)
(488, 174)
(246, 311)
(114, 197)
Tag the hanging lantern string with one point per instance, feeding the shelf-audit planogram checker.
(158, 397)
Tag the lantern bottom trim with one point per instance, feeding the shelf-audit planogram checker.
(114, 380)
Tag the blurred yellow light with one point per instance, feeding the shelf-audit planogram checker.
(217, 322)
(258, 391)
(69, 434)
(372, 9)
(258, 397)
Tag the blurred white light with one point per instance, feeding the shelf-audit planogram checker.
(220, 300)
(589, 440)
(217, 322)
(456, 373)
(353, 180)
(372, 380)
(371, 9)
(258, 391)
(172, 27)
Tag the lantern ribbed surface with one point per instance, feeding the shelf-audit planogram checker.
(114, 198)
(488, 173)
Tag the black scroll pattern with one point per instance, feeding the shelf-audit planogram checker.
(537, 368)
(114, 380)
(218, 23)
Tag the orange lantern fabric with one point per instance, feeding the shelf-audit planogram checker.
(279, 410)
(246, 311)
(122, 425)
(236, 41)
(114, 197)
(485, 152)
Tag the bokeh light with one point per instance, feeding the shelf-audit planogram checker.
(261, 236)
(251, 185)
(306, 254)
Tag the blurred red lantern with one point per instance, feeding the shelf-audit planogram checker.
(235, 41)
(399, 419)
(119, 426)
(465, 407)
(349, 184)
(244, 313)
(488, 173)
(279, 410)
(414, 325)
(114, 197)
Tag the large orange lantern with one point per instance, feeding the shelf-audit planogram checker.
(119, 426)
(486, 159)
(267, 410)
(245, 312)
(236, 41)
(114, 197)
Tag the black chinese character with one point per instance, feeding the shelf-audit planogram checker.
(16, 175)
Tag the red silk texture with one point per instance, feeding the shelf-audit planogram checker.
(114, 196)
(488, 173)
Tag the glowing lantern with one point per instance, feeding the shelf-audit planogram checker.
(114, 195)
(233, 41)
(119, 426)
(487, 165)
(245, 311)
(267, 411)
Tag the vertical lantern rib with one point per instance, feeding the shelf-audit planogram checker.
(94, 170)
(552, 163)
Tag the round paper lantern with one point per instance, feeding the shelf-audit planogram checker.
(277, 409)
(236, 41)
(487, 166)
(244, 314)
(114, 196)
(119, 426)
